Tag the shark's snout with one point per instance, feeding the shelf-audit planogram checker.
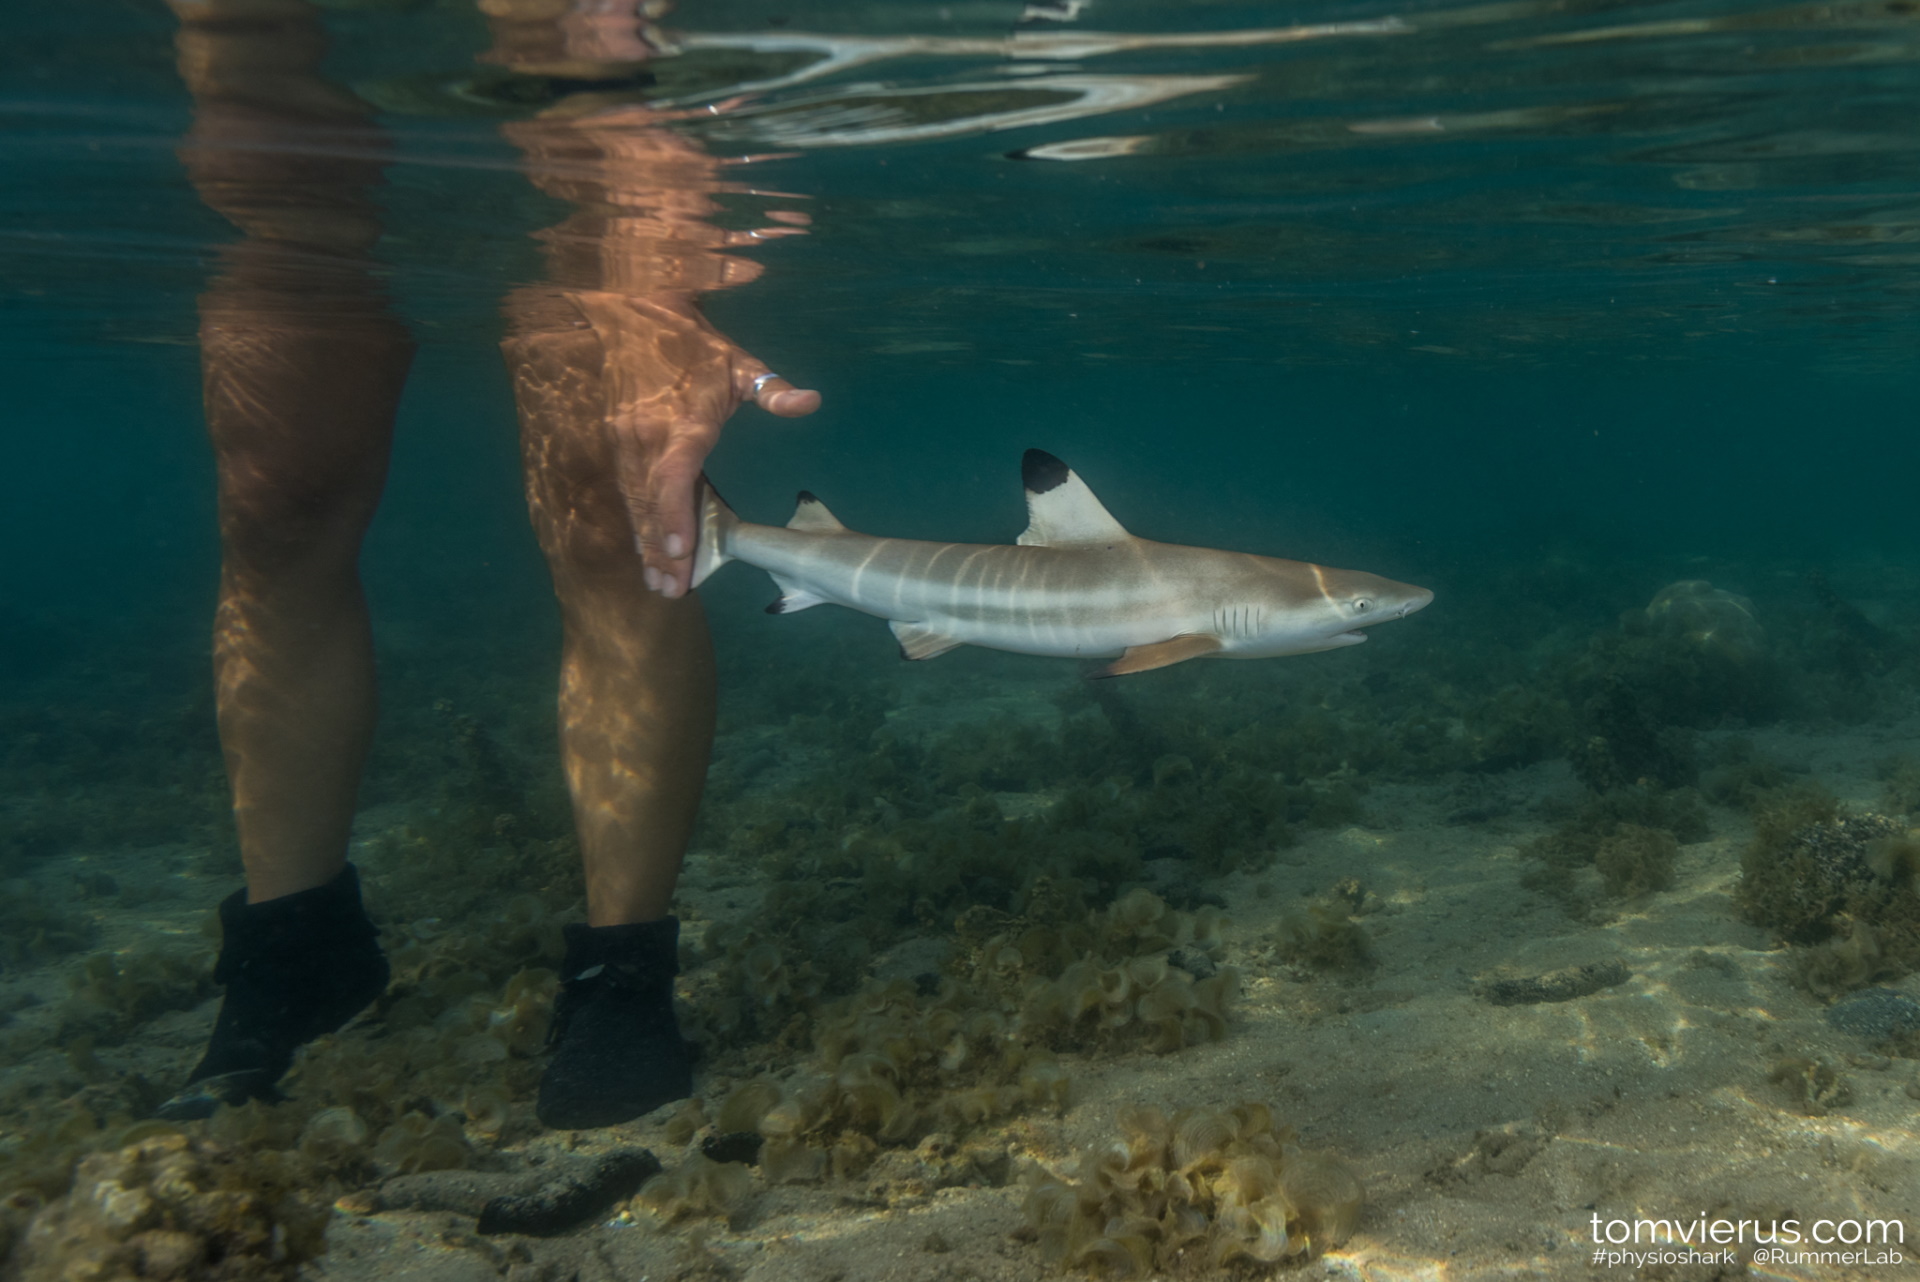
(1419, 601)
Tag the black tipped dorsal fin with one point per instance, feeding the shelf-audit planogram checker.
(809, 513)
(1061, 510)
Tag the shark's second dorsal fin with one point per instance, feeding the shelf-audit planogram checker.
(1061, 510)
(809, 513)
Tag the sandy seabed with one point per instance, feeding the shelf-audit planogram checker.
(1494, 1141)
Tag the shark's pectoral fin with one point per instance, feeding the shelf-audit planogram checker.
(1145, 658)
(793, 597)
(917, 642)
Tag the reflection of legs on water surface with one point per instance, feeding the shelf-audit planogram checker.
(636, 726)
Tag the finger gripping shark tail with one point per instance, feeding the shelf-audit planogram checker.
(717, 521)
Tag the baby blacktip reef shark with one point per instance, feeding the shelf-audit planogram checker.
(1077, 585)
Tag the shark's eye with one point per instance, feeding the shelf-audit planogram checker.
(1362, 604)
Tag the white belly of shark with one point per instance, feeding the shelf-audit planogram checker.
(1076, 585)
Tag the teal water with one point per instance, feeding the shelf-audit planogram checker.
(1541, 305)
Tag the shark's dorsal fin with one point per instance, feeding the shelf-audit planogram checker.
(1061, 510)
(809, 513)
(1160, 654)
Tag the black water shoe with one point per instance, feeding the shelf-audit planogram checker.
(296, 968)
(618, 1052)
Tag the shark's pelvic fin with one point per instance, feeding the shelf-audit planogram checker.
(917, 642)
(793, 597)
(809, 513)
(1061, 510)
(1145, 658)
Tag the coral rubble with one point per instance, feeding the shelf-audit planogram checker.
(173, 1207)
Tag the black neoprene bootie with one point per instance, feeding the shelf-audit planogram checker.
(618, 1052)
(296, 968)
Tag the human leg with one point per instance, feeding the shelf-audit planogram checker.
(300, 410)
(636, 724)
(301, 414)
(303, 365)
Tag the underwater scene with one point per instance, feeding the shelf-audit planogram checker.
(405, 873)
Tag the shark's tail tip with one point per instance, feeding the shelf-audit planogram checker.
(716, 520)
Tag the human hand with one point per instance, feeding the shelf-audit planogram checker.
(672, 380)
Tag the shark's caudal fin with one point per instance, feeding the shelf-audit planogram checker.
(1061, 510)
(716, 522)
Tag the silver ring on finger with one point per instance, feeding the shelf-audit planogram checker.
(761, 382)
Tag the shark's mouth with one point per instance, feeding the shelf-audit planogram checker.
(1351, 637)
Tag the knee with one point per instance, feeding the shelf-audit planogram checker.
(279, 518)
